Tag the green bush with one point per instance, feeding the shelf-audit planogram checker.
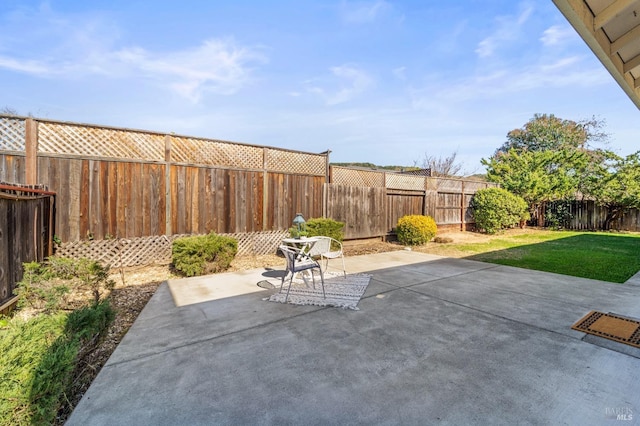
(45, 286)
(327, 227)
(39, 357)
(413, 230)
(203, 254)
(495, 209)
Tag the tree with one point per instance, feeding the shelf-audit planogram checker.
(538, 176)
(615, 184)
(440, 166)
(8, 111)
(548, 132)
(548, 159)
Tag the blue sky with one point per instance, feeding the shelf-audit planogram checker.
(385, 82)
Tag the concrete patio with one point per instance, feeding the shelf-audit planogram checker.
(436, 341)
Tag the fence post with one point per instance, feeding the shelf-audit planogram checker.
(31, 151)
(327, 180)
(265, 189)
(462, 208)
(167, 184)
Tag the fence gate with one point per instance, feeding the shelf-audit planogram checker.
(26, 232)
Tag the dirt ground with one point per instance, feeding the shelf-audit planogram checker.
(135, 286)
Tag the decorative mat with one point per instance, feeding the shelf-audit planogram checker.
(610, 326)
(340, 291)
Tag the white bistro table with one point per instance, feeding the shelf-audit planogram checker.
(302, 243)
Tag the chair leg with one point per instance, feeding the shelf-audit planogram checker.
(343, 268)
(288, 288)
(324, 295)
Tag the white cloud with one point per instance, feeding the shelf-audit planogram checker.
(507, 30)
(74, 47)
(557, 34)
(362, 12)
(216, 66)
(351, 81)
(568, 72)
(400, 73)
(25, 66)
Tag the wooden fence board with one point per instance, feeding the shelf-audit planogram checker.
(24, 235)
(362, 209)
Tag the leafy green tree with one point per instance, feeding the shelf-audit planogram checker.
(615, 184)
(548, 159)
(545, 132)
(538, 176)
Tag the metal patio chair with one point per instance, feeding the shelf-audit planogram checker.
(328, 248)
(299, 261)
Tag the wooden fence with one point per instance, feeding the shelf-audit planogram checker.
(26, 222)
(371, 202)
(139, 189)
(121, 183)
(586, 215)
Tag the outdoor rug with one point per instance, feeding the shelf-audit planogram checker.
(610, 326)
(340, 291)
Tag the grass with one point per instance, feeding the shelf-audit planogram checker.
(38, 359)
(602, 256)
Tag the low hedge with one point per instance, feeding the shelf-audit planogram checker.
(413, 230)
(203, 254)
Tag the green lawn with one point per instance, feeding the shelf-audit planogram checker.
(602, 256)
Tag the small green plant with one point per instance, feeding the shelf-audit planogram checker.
(327, 227)
(203, 254)
(46, 286)
(413, 230)
(495, 209)
(294, 233)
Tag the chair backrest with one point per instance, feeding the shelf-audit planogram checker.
(290, 254)
(322, 245)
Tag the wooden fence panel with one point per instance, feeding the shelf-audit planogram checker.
(631, 220)
(448, 207)
(399, 205)
(209, 199)
(25, 236)
(587, 215)
(362, 209)
(100, 199)
(12, 168)
(290, 194)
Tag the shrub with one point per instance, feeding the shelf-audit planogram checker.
(415, 230)
(39, 357)
(495, 209)
(327, 227)
(45, 286)
(203, 254)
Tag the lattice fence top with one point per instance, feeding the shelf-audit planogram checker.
(357, 177)
(400, 181)
(444, 185)
(12, 134)
(60, 138)
(213, 152)
(473, 186)
(295, 162)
